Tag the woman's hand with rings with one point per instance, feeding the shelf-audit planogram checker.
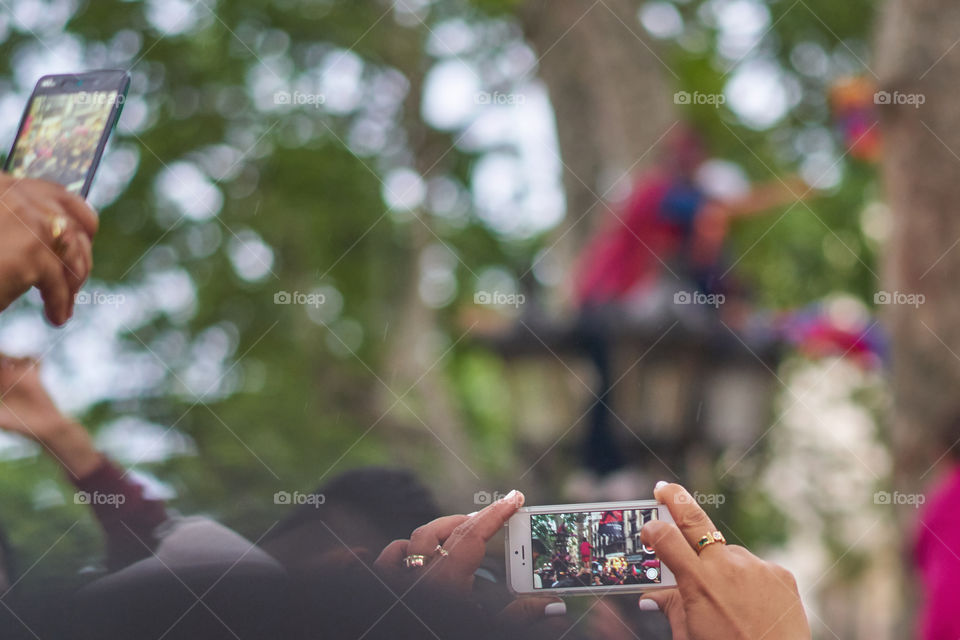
(723, 591)
(45, 241)
(447, 552)
(451, 547)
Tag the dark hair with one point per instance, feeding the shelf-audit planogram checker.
(393, 501)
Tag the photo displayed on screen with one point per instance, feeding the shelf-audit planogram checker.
(592, 549)
(60, 137)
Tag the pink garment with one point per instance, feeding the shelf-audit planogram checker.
(937, 555)
(626, 252)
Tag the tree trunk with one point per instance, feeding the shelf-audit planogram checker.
(424, 419)
(918, 59)
(606, 83)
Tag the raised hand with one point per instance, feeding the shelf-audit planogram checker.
(46, 236)
(723, 591)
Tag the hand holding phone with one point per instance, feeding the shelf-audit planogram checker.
(45, 242)
(46, 228)
(450, 549)
(446, 553)
(723, 591)
(707, 589)
(585, 549)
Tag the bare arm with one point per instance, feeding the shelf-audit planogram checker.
(127, 517)
(770, 195)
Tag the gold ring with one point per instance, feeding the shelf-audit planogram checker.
(443, 552)
(58, 225)
(709, 539)
(414, 561)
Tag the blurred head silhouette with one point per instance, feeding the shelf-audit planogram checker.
(354, 517)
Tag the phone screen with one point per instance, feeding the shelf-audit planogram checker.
(60, 136)
(592, 549)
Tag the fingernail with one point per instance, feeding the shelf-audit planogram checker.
(514, 496)
(471, 514)
(555, 609)
(646, 604)
(660, 485)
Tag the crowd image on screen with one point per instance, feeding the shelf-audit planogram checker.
(592, 549)
(60, 136)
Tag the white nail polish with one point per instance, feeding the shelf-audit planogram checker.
(648, 605)
(555, 609)
(471, 514)
(660, 485)
(514, 496)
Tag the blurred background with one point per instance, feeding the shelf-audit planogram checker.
(340, 233)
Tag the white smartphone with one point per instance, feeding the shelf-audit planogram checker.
(584, 549)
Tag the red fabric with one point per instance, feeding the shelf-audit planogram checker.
(609, 517)
(628, 251)
(585, 550)
(128, 522)
(824, 339)
(937, 555)
(813, 332)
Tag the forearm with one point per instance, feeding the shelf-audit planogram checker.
(770, 196)
(72, 447)
(128, 517)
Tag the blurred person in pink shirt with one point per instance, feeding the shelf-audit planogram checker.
(937, 547)
(937, 556)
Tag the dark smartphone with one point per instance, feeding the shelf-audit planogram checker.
(65, 127)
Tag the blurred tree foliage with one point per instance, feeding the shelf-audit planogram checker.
(302, 191)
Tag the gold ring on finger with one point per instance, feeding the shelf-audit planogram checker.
(58, 226)
(414, 561)
(713, 537)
